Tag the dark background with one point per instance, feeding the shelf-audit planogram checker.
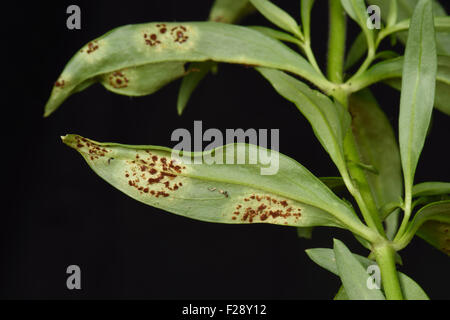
(57, 212)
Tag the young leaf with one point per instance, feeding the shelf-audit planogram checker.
(277, 16)
(431, 189)
(418, 86)
(197, 71)
(330, 121)
(230, 11)
(222, 193)
(353, 275)
(134, 46)
(326, 259)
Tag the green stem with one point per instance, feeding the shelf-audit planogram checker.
(385, 257)
(311, 58)
(336, 42)
(336, 54)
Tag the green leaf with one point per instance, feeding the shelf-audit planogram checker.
(230, 11)
(377, 146)
(418, 87)
(431, 189)
(197, 71)
(353, 275)
(405, 10)
(133, 46)
(326, 259)
(277, 16)
(357, 10)
(356, 52)
(277, 35)
(223, 193)
(329, 121)
(436, 234)
(306, 8)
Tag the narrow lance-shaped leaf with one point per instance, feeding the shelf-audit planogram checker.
(214, 192)
(353, 275)
(418, 87)
(377, 146)
(230, 11)
(134, 46)
(326, 259)
(277, 16)
(329, 121)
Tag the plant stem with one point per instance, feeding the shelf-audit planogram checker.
(385, 257)
(336, 41)
(336, 55)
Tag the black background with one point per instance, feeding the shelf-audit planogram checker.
(57, 212)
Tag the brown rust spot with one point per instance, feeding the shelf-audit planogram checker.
(179, 34)
(151, 40)
(92, 47)
(158, 176)
(118, 80)
(60, 84)
(263, 207)
(95, 151)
